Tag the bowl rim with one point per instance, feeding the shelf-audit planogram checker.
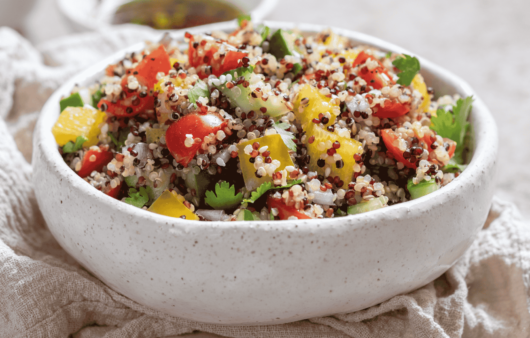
(263, 9)
(486, 144)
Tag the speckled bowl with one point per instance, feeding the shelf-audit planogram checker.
(266, 272)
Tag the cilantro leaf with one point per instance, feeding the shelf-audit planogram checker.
(70, 147)
(137, 198)
(409, 67)
(199, 89)
(264, 187)
(454, 125)
(388, 55)
(226, 196)
(287, 136)
(243, 17)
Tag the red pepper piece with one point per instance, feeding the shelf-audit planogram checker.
(391, 109)
(230, 60)
(198, 125)
(101, 159)
(284, 211)
(388, 138)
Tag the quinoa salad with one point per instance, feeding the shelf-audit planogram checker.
(262, 125)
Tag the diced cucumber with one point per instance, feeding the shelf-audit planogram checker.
(247, 215)
(241, 97)
(198, 180)
(73, 100)
(96, 97)
(131, 181)
(373, 204)
(421, 189)
(282, 44)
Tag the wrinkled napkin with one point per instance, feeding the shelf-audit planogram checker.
(45, 293)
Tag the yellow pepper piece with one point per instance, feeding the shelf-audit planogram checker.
(322, 142)
(419, 84)
(177, 82)
(351, 54)
(78, 121)
(172, 61)
(317, 104)
(278, 150)
(170, 204)
(334, 40)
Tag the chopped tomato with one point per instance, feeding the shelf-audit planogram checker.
(137, 101)
(94, 160)
(388, 138)
(429, 139)
(229, 57)
(452, 146)
(284, 211)
(391, 109)
(113, 192)
(194, 124)
(373, 77)
(157, 61)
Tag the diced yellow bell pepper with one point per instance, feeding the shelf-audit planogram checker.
(351, 54)
(322, 142)
(278, 150)
(177, 82)
(334, 40)
(419, 84)
(172, 61)
(170, 204)
(317, 104)
(78, 121)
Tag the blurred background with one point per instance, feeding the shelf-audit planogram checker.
(485, 42)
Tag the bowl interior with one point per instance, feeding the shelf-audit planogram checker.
(444, 82)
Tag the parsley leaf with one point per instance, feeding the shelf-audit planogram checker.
(264, 187)
(388, 55)
(226, 196)
(287, 136)
(199, 89)
(243, 17)
(70, 147)
(138, 198)
(454, 125)
(409, 67)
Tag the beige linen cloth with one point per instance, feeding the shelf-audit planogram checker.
(45, 293)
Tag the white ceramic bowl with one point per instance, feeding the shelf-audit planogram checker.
(269, 271)
(91, 15)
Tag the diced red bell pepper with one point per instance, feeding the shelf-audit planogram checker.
(94, 160)
(391, 109)
(227, 61)
(372, 77)
(145, 72)
(198, 125)
(388, 138)
(284, 211)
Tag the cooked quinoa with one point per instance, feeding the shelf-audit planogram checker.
(257, 126)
